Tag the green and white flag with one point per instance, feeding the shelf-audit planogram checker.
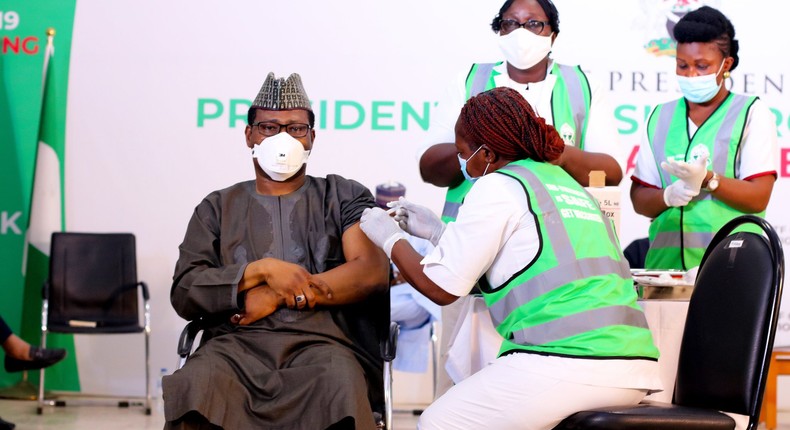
(47, 215)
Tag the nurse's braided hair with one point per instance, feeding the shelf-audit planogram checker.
(705, 25)
(505, 122)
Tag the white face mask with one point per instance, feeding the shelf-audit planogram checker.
(523, 48)
(699, 89)
(280, 156)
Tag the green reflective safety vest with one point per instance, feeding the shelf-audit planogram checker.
(570, 104)
(576, 297)
(680, 235)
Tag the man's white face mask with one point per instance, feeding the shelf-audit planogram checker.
(280, 156)
(523, 48)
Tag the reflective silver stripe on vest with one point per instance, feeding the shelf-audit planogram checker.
(581, 322)
(690, 240)
(551, 280)
(720, 161)
(576, 99)
(554, 227)
(481, 78)
(451, 209)
(659, 141)
(721, 151)
(568, 268)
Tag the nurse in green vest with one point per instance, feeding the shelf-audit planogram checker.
(706, 157)
(550, 269)
(562, 94)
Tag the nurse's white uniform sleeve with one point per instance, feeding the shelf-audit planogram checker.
(469, 246)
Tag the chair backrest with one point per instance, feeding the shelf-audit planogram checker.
(731, 321)
(92, 285)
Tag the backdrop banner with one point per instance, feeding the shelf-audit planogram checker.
(23, 42)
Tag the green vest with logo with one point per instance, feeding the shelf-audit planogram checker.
(576, 297)
(570, 104)
(680, 235)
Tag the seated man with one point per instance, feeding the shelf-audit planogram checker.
(279, 261)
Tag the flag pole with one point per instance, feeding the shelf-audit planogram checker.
(48, 51)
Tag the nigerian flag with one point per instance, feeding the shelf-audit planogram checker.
(45, 217)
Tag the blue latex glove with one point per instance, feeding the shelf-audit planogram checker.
(418, 220)
(381, 229)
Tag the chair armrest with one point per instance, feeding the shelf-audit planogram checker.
(187, 338)
(390, 344)
(144, 287)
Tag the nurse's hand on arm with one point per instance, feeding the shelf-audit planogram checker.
(384, 231)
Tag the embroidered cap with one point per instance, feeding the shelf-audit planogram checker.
(282, 94)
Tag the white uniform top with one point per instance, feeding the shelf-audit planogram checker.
(758, 154)
(495, 234)
(601, 135)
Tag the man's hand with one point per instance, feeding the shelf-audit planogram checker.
(291, 282)
(259, 302)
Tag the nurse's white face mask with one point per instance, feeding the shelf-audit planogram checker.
(699, 89)
(280, 156)
(523, 48)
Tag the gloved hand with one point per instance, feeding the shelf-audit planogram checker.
(418, 220)
(691, 174)
(381, 229)
(677, 194)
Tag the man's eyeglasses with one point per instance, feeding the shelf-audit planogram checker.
(510, 25)
(272, 128)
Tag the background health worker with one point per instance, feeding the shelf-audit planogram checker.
(561, 94)
(707, 157)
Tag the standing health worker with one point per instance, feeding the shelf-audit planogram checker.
(707, 157)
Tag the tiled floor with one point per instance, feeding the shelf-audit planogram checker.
(23, 414)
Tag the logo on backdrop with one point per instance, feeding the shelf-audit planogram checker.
(662, 43)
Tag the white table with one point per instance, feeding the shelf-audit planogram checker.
(474, 343)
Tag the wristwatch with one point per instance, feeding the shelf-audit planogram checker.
(713, 183)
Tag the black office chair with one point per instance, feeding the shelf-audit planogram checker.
(727, 340)
(93, 289)
(366, 323)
